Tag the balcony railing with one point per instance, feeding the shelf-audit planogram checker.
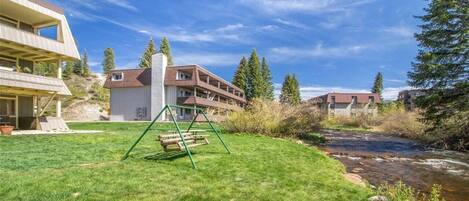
(22, 37)
(193, 100)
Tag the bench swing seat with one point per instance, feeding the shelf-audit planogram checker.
(173, 142)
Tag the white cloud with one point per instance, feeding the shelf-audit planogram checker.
(403, 31)
(230, 27)
(123, 4)
(269, 27)
(317, 51)
(206, 58)
(394, 80)
(292, 23)
(310, 6)
(312, 91)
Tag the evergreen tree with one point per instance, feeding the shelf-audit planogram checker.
(165, 48)
(268, 91)
(108, 62)
(442, 69)
(77, 68)
(145, 60)
(68, 70)
(255, 79)
(290, 93)
(240, 76)
(84, 66)
(378, 85)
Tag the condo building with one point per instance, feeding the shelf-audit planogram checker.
(140, 94)
(348, 104)
(32, 31)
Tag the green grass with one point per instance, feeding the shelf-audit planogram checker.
(88, 167)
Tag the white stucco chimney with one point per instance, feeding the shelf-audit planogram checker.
(158, 70)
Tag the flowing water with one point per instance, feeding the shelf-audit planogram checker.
(380, 159)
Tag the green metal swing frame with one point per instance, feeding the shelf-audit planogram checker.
(178, 129)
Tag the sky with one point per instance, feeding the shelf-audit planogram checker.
(330, 45)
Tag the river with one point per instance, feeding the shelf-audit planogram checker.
(382, 158)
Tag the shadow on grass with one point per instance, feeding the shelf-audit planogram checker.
(167, 156)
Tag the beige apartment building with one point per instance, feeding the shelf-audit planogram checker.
(139, 94)
(24, 43)
(348, 104)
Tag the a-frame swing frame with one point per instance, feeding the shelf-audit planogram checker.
(178, 129)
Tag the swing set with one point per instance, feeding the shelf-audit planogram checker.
(179, 140)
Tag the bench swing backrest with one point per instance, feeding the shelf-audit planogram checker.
(173, 142)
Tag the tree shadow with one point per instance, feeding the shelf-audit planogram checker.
(167, 156)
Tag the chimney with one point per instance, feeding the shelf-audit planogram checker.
(159, 63)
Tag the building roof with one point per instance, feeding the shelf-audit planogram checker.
(347, 97)
(33, 82)
(131, 78)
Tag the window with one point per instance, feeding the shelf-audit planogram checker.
(333, 100)
(371, 99)
(48, 32)
(354, 100)
(183, 76)
(8, 21)
(117, 76)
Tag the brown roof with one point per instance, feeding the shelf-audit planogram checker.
(132, 78)
(347, 97)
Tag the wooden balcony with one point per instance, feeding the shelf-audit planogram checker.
(198, 101)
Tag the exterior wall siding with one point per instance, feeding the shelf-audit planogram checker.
(126, 101)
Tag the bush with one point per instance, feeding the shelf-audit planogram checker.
(401, 123)
(402, 192)
(274, 119)
(360, 121)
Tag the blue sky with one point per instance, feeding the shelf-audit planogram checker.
(331, 45)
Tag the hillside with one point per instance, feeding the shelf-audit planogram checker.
(89, 102)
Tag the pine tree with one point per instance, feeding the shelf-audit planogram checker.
(108, 62)
(165, 48)
(378, 85)
(268, 91)
(240, 76)
(442, 69)
(290, 93)
(85, 67)
(68, 69)
(145, 60)
(255, 79)
(77, 68)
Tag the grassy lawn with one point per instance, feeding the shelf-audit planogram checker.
(88, 167)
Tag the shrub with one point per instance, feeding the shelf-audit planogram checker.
(402, 192)
(360, 121)
(274, 119)
(402, 123)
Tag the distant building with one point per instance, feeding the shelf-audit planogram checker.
(407, 97)
(139, 94)
(348, 104)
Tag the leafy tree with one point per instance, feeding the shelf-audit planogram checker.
(145, 60)
(240, 76)
(255, 79)
(84, 65)
(268, 91)
(290, 93)
(165, 48)
(442, 70)
(68, 70)
(46, 69)
(108, 62)
(378, 85)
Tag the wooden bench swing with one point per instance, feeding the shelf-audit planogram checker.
(178, 140)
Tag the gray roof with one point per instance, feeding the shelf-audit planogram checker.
(35, 82)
